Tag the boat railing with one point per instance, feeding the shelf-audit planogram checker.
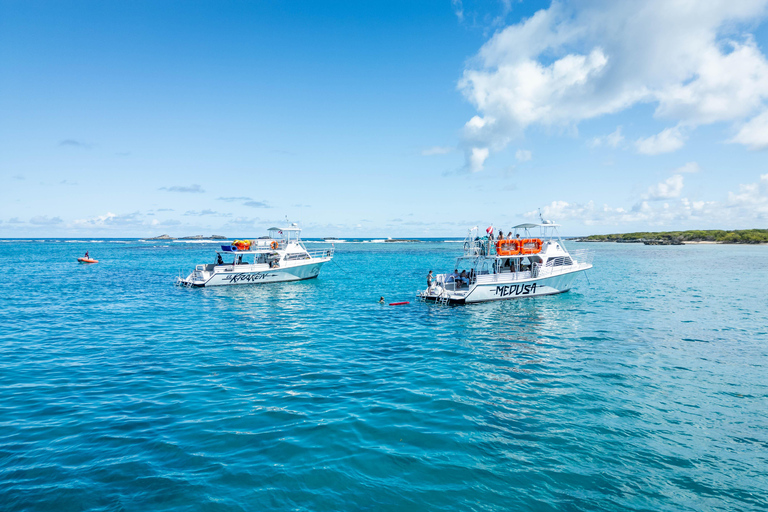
(322, 253)
(579, 260)
(580, 256)
(477, 246)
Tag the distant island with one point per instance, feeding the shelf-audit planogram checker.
(716, 236)
(196, 237)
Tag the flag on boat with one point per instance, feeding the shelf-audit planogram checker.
(489, 230)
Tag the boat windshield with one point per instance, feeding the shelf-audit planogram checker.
(289, 234)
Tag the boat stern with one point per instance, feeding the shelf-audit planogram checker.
(196, 279)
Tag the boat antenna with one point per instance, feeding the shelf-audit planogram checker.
(541, 217)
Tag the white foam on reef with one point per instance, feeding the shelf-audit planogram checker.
(95, 241)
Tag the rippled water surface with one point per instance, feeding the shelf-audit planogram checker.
(643, 388)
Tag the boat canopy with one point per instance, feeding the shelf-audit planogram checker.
(291, 233)
(542, 225)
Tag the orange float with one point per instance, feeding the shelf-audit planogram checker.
(530, 246)
(508, 247)
(241, 245)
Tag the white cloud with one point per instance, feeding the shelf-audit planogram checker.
(746, 208)
(564, 65)
(667, 189)
(477, 159)
(458, 9)
(690, 168)
(194, 189)
(523, 155)
(613, 139)
(111, 220)
(754, 133)
(44, 220)
(753, 196)
(668, 140)
(437, 150)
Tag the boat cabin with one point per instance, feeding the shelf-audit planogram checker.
(522, 252)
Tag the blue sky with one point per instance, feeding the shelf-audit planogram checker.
(381, 118)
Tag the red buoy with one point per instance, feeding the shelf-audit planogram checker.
(398, 303)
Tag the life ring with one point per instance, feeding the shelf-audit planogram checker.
(508, 247)
(273, 245)
(530, 246)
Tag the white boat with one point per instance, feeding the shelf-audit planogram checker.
(277, 258)
(520, 266)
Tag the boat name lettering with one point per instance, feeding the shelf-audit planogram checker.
(248, 278)
(515, 289)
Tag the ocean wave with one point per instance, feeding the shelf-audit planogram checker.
(223, 242)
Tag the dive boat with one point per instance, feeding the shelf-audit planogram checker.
(277, 258)
(521, 266)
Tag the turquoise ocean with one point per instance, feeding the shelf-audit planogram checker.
(643, 388)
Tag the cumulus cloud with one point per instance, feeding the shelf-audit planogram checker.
(746, 207)
(670, 139)
(44, 220)
(613, 139)
(754, 133)
(690, 167)
(194, 189)
(753, 196)
(523, 155)
(477, 158)
(569, 63)
(667, 189)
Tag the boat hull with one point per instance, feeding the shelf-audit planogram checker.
(249, 274)
(499, 288)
